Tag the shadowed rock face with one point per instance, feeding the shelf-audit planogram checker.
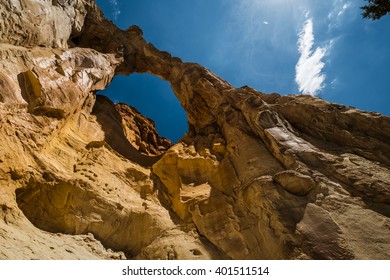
(258, 176)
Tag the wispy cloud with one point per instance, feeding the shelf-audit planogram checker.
(115, 7)
(338, 13)
(309, 75)
(343, 9)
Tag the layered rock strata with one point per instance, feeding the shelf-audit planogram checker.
(258, 176)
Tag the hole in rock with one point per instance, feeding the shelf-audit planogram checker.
(196, 252)
(152, 97)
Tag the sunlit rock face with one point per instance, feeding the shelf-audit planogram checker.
(258, 176)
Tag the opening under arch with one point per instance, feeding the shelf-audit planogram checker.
(154, 98)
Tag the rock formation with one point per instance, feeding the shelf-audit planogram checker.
(258, 176)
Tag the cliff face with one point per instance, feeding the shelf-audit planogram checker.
(257, 177)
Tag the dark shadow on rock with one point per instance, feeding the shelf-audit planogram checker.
(379, 207)
(22, 85)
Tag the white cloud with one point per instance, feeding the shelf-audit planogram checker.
(266, 22)
(338, 13)
(343, 9)
(309, 76)
(334, 83)
(116, 12)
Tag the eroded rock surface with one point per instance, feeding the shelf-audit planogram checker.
(258, 176)
(141, 131)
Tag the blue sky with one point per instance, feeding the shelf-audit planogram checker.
(316, 47)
